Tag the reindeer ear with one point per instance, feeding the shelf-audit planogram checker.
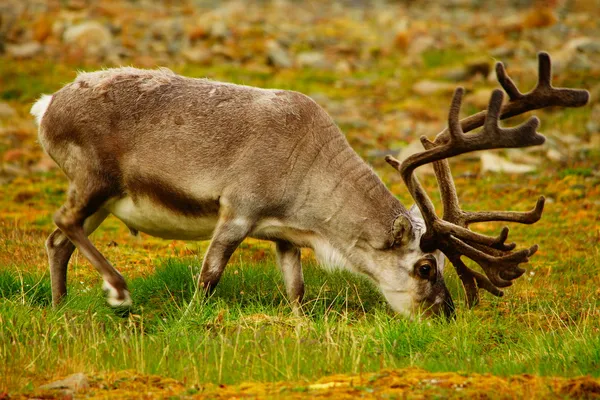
(415, 212)
(402, 230)
(440, 258)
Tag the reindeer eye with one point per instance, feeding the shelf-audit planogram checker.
(426, 268)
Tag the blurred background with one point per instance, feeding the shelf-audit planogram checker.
(384, 70)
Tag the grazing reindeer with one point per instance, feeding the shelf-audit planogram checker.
(185, 158)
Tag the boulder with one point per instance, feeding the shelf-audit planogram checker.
(277, 55)
(25, 50)
(75, 382)
(92, 36)
(491, 162)
(428, 87)
(312, 59)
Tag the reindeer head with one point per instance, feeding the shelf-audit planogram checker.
(413, 279)
(451, 234)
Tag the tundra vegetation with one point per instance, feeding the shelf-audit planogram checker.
(385, 75)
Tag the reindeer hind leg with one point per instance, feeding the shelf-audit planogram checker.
(83, 201)
(59, 249)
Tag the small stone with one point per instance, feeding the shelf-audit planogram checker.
(91, 36)
(277, 55)
(25, 50)
(502, 52)
(555, 155)
(584, 44)
(75, 382)
(343, 67)
(421, 44)
(219, 30)
(580, 63)
(592, 127)
(428, 87)
(520, 156)
(415, 147)
(568, 139)
(312, 59)
(491, 162)
(481, 98)
(6, 111)
(197, 55)
(12, 170)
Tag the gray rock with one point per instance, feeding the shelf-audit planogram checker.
(219, 30)
(277, 55)
(92, 36)
(415, 147)
(592, 127)
(491, 162)
(170, 33)
(75, 382)
(421, 44)
(197, 55)
(25, 50)
(580, 63)
(312, 59)
(429, 87)
(584, 44)
(520, 156)
(555, 155)
(480, 98)
(502, 52)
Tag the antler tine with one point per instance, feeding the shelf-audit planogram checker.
(542, 96)
(544, 70)
(451, 234)
(507, 83)
(456, 132)
(528, 217)
(501, 270)
(472, 280)
(450, 202)
(523, 135)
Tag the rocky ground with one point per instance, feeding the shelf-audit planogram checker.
(427, 50)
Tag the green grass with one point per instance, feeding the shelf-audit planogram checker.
(247, 332)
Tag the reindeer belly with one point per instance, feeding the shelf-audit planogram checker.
(154, 219)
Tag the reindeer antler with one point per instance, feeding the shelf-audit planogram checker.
(451, 234)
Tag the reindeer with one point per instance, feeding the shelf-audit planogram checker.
(183, 158)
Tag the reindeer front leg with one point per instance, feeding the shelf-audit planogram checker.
(229, 233)
(288, 258)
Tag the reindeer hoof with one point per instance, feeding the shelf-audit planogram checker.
(116, 299)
